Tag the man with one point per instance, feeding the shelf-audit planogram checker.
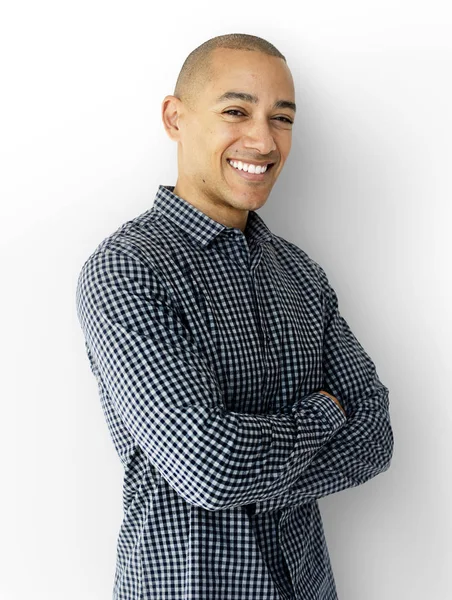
(235, 393)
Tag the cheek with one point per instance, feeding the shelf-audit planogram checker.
(225, 134)
(218, 143)
(286, 143)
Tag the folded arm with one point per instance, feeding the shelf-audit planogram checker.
(363, 447)
(170, 400)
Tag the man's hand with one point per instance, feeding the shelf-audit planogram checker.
(333, 398)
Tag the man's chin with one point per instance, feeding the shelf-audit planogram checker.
(249, 201)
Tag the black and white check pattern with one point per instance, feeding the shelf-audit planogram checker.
(210, 346)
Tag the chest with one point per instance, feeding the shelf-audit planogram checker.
(259, 321)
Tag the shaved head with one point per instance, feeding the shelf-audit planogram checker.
(197, 69)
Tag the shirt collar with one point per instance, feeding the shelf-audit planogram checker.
(199, 226)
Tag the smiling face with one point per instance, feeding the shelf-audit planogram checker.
(243, 113)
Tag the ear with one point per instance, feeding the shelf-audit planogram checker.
(171, 108)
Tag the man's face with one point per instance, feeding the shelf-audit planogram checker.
(234, 128)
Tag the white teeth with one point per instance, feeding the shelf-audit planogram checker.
(248, 167)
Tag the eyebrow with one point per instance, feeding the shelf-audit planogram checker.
(245, 97)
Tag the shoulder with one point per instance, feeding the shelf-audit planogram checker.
(132, 252)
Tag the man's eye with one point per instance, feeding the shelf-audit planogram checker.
(234, 110)
(286, 120)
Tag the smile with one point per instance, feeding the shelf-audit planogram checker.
(250, 171)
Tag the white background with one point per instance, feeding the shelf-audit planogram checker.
(366, 191)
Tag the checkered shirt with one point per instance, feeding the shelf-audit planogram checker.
(210, 347)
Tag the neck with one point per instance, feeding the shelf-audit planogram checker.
(214, 208)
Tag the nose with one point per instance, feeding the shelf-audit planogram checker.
(259, 136)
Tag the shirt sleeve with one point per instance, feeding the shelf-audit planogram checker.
(363, 447)
(169, 398)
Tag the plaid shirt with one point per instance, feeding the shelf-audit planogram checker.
(210, 346)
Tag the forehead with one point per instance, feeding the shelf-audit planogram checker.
(250, 71)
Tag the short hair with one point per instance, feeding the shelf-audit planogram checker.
(196, 70)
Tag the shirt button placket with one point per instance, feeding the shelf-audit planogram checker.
(260, 318)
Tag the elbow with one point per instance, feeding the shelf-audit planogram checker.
(217, 495)
(212, 505)
(388, 449)
(220, 492)
(383, 458)
(195, 495)
(211, 493)
(209, 501)
(386, 443)
(375, 459)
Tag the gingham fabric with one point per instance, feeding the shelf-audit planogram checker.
(210, 346)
